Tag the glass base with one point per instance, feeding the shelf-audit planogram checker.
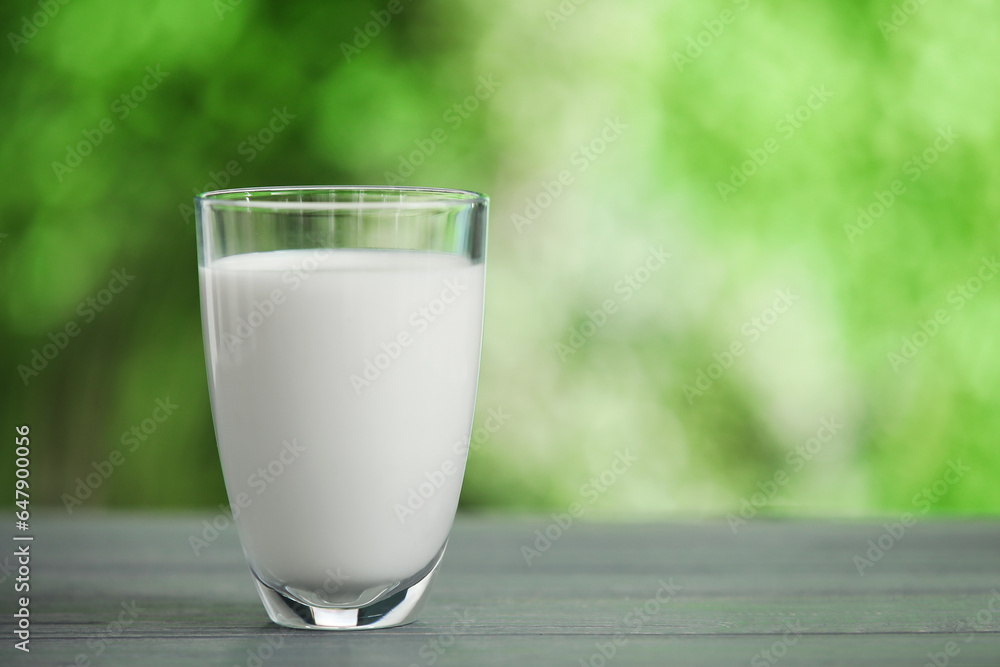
(399, 608)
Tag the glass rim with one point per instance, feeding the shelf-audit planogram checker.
(432, 198)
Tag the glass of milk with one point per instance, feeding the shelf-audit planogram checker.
(342, 332)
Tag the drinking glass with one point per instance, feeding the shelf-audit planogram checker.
(342, 330)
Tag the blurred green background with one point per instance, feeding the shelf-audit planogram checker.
(823, 176)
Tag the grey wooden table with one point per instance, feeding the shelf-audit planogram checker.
(128, 589)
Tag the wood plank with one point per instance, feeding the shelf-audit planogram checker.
(792, 585)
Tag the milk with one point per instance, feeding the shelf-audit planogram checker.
(343, 384)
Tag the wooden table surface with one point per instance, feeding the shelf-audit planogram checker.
(128, 589)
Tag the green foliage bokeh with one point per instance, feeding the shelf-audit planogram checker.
(744, 138)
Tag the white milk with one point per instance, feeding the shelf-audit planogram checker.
(343, 384)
